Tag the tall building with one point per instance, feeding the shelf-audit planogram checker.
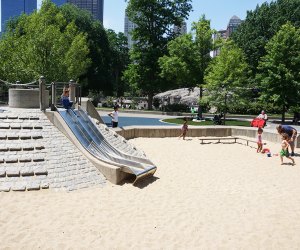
(10, 9)
(13, 8)
(234, 22)
(93, 6)
(128, 28)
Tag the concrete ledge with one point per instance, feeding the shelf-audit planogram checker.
(88, 106)
(131, 132)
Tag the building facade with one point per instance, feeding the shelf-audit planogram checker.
(13, 8)
(128, 28)
(10, 9)
(233, 24)
(93, 6)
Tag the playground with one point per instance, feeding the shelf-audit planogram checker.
(202, 196)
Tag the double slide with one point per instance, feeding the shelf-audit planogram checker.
(103, 147)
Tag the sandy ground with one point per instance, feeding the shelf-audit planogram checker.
(212, 196)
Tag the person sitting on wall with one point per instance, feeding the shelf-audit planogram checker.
(65, 100)
(263, 116)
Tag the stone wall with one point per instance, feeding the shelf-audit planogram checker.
(131, 132)
(26, 98)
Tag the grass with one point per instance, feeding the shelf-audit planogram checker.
(208, 123)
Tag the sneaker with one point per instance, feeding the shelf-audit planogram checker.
(292, 154)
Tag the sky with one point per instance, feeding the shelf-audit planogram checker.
(218, 12)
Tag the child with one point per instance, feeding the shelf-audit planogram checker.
(114, 116)
(184, 129)
(67, 104)
(284, 148)
(259, 140)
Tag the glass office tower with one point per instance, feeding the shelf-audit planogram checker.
(93, 6)
(13, 8)
(10, 9)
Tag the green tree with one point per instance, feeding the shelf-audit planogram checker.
(279, 69)
(155, 21)
(188, 58)
(98, 76)
(226, 77)
(119, 60)
(43, 44)
(261, 25)
(181, 66)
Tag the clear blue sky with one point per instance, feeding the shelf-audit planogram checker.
(218, 11)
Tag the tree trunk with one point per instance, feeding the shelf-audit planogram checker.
(225, 108)
(200, 112)
(283, 114)
(150, 101)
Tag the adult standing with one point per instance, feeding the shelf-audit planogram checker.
(114, 117)
(291, 132)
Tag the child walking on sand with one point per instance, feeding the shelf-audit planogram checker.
(259, 140)
(285, 148)
(184, 129)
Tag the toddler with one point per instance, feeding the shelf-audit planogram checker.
(184, 129)
(259, 140)
(284, 148)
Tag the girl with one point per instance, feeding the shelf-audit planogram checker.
(284, 148)
(259, 140)
(184, 129)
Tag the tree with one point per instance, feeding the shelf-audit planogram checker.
(181, 66)
(226, 76)
(43, 44)
(98, 76)
(188, 58)
(155, 21)
(261, 25)
(119, 59)
(279, 69)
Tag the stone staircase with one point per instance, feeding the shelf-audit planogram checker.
(119, 142)
(35, 155)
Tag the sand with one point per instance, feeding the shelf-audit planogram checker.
(212, 196)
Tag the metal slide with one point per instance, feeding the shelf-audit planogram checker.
(90, 137)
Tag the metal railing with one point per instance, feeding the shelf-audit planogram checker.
(57, 91)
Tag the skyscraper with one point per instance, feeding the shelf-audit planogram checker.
(93, 6)
(128, 28)
(234, 22)
(13, 8)
(10, 9)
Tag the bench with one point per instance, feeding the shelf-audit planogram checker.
(247, 141)
(218, 139)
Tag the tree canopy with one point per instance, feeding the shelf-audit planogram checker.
(261, 25)
(226, 76)
(43, 43)
(188, 56)
(279, 75)
(155, 22)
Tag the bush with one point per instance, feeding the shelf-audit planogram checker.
(176, 107)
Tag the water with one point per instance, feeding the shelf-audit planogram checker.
(136, 121)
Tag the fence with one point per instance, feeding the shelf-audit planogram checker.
(55, 91)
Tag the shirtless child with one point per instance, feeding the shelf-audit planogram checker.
(284, 149)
